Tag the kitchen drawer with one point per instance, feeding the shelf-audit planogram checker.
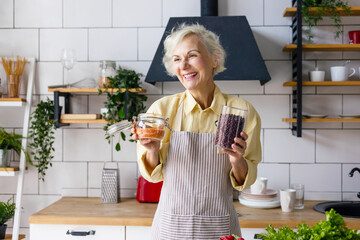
(138, 232)
(249, 233)
(58, 232)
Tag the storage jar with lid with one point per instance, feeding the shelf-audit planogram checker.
(107, 69)
(151, 126)
(148, 126)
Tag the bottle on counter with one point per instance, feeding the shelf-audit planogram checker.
(107, 69)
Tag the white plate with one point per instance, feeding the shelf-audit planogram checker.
(315, 115)
(259, 204)
(349, 115)
(269, 194)
(250, 198)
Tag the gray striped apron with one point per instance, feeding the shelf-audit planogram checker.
(196, 199)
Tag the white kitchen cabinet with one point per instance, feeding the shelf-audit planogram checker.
(138, 232)
(143, 233)
(59, 232)
(249, 233)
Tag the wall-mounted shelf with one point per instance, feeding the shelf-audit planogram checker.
(322, 120)
(297, 48)
(323, 47)
(67, 93)
(93, 90)
(9, 236)
(291, 12)
(323, 84)
(9, 171)
(12, 102)
(67, 121)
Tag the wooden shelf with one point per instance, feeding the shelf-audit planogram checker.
(8, 171)
(9, 236)
(323, 47)
(93, 90)
(291, 12)
(83, 121)
(325, 83)
(12, 102)
(322, 120)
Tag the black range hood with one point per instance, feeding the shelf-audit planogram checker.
(243, 61)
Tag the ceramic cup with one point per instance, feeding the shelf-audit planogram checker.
(260, 185)
(317, 76)
(287, 199)
(354, 37)
(341, 73)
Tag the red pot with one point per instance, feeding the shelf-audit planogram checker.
(354, 37)
(147, 191)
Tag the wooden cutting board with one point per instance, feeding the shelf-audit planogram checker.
(80, 116)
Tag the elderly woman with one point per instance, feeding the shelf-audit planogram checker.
(196, 201)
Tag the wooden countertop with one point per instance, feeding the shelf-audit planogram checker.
(129, 212)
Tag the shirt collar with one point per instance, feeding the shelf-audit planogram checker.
(216, 105)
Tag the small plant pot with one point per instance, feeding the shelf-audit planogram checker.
(2, 231)
(5, 158)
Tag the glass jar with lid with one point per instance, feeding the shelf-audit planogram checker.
(107, 69)
(151, 126)
(147, 125)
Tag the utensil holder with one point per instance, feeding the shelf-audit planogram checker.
(13, 83)
(110, 190)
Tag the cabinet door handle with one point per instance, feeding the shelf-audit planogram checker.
(73, 233)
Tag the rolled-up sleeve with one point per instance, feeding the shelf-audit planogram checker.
(159, 107)
(253, 151)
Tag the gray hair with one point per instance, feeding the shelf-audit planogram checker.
(209, 39)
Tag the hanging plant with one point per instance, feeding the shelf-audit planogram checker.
(116, 103)
(42, 134)
(322, 7)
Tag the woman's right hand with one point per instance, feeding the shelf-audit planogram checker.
(152, 146)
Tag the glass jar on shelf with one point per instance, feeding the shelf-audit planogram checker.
(107, 69)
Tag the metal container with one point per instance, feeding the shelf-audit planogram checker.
(110, 189)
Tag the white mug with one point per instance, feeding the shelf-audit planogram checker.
(287, 199)
(341, 73)
(317, 76)
(260, 185)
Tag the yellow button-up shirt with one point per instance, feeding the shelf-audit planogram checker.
(203, 121)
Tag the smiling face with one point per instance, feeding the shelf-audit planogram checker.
(192, 64)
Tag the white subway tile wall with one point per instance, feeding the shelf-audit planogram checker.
(87, 13)
(31, 14)
(6, 14)
(123, 31)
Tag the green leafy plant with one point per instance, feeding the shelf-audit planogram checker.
(322, 7)
(7, 211)
(331, 229)
(12, 141)
(42, 134)
(116, 99)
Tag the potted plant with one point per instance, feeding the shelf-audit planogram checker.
(118, 100)
(10, 141)
(42, 134)
(7, 211)
(322, 7)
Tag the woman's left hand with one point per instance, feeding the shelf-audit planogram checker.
(238, 150)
